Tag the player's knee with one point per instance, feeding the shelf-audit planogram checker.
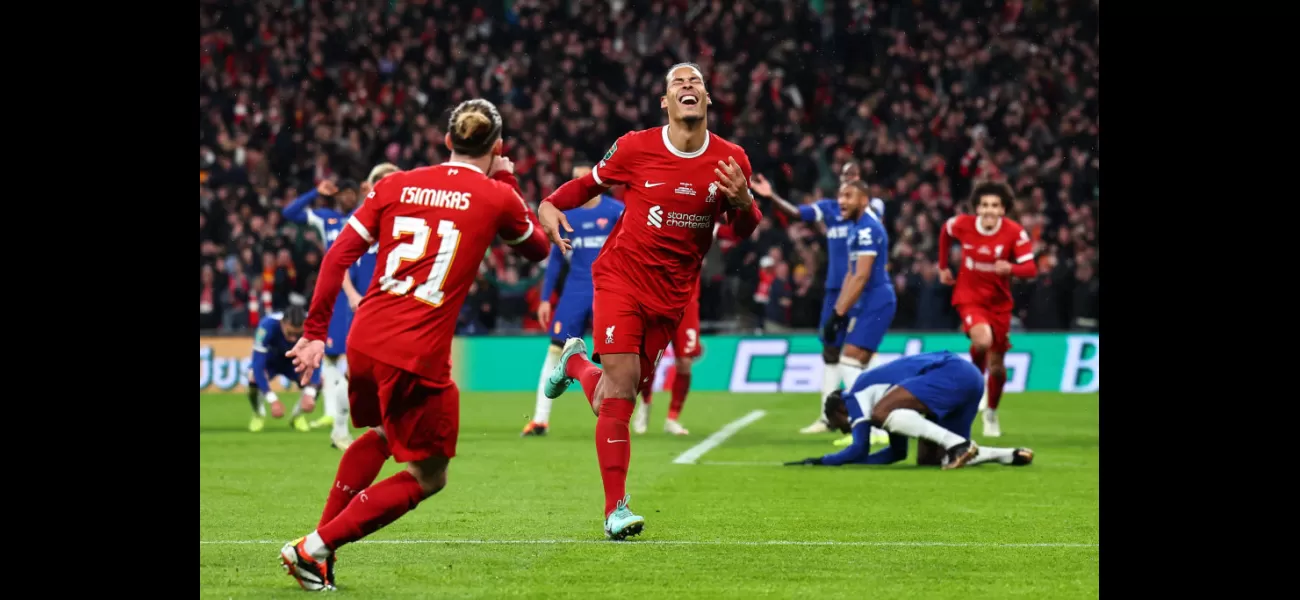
(862, 355)
(981, 338)
(431, 473)
(997, 370)
(618, 381)
(879, 413)
(831, 355)
(557, 345)
(684, 365)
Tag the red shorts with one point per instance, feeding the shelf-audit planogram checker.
(420, 419)
(686, 342)
(620, 325)
(999, 322)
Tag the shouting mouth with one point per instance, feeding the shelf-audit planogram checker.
(689, 99)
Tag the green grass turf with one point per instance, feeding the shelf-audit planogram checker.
(269, 487)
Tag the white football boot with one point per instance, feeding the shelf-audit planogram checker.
(641, 420)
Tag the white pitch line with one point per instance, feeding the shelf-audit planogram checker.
(690, 456)
(687, 543)
(740, 463)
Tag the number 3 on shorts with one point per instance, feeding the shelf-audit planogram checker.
(429, 292)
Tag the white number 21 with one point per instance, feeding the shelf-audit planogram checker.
(429, 292)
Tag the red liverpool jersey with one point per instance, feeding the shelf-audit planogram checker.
(433, 226)
(672, 204)
(980, 249)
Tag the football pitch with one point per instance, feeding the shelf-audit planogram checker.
(523, 517)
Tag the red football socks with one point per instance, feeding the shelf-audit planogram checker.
(681, 387)
(996, 381)
(377, 506)
(614, 448)
(977, 356)
(357, 470)
(587, 374)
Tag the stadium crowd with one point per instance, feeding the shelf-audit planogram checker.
(927, 96)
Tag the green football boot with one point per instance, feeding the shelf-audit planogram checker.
(622, 523)
(558, 382)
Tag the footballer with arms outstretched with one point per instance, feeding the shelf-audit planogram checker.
(993, 249)
(681, 180)
(433, 226)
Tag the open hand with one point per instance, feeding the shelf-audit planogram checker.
(544, 313)
(761, 185)
(326, 188)
(945, 277)
(1002, 268)
(731, 181)
(552, 219)
(306, 357)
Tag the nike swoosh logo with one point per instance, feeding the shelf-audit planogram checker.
(609, 441)
(649, 185)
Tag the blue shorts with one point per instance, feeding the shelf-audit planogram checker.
(875, 312)
(952, 391)
(283, 368)
(828, 309)
(572, 315)
(336, 339)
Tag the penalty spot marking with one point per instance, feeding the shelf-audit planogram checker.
(690, 456)
(685, 543)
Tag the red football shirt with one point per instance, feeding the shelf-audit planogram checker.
(980, 249)
(433, 225)
(672, 202)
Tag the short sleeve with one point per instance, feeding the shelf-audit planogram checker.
(865, 242)
(876, 245)
(365, 220)
(951, 226)
(810, 213)
(515, 223)
(830, 210)
(616, 166)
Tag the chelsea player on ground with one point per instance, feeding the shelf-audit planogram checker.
(591, 224)
(276, 334)
(328, 222)
(827, 211)
(933, 397)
